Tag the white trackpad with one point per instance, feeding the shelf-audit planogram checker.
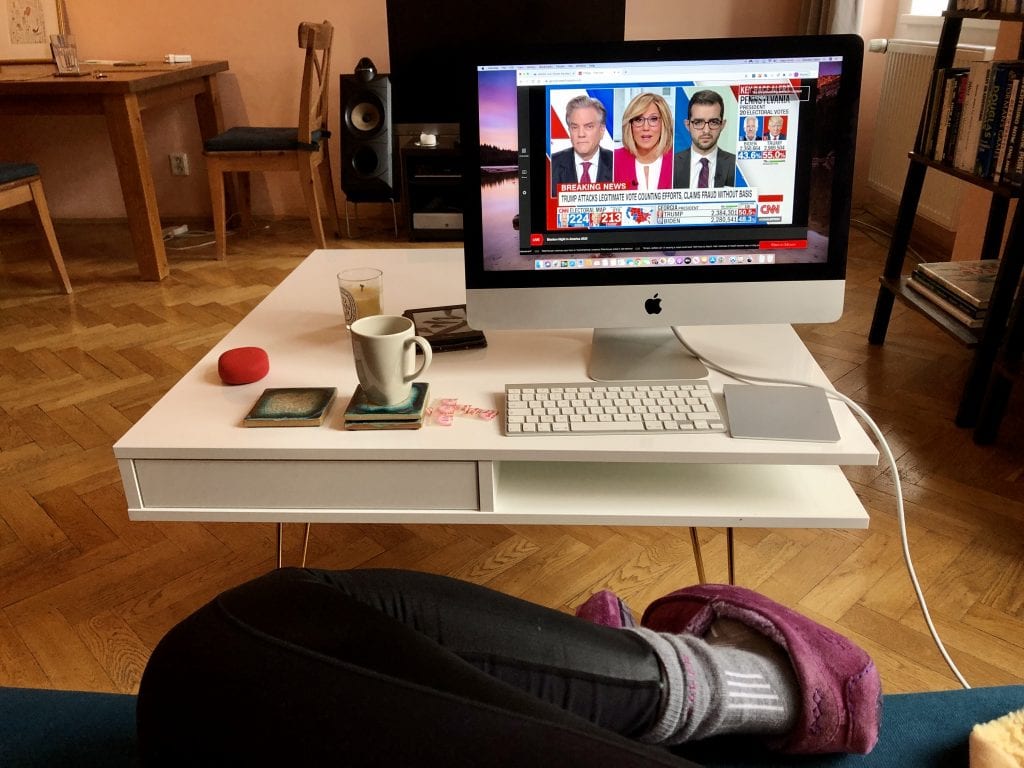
(779, 413)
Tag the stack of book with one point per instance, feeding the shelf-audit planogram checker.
(961, 289)
(973, 120)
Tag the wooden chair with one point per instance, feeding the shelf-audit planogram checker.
(20, 183)
(304, 148)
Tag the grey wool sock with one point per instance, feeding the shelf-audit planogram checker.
(734, 680)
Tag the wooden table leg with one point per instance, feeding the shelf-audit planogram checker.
(124, 123)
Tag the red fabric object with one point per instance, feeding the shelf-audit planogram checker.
(243, 365)
(607, 609)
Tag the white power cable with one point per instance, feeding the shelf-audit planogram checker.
(886, 451)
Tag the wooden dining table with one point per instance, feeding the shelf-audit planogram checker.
(120, 93)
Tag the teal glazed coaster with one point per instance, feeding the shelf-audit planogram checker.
(411, 409)
(291, 407)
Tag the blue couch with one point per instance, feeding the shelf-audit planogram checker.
(66, 728)
(51, 729)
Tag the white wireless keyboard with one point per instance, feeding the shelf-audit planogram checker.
(624, 407)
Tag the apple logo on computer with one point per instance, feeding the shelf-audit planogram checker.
(653, 305)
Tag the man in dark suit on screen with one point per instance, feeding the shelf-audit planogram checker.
(586, 160)
(774, 132)
(704, 163)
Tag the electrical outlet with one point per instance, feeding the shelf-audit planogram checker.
(179, 164)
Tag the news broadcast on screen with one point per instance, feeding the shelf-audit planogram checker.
(761, 191)
(755, 119)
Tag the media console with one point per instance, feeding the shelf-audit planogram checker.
(432, 189)
(190, 458)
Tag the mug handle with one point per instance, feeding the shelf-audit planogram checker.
(428, 355)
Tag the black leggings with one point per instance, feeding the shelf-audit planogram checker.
(382, 667)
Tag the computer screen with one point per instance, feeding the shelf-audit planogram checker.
(648, 184)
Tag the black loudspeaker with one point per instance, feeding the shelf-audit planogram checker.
(367, 144)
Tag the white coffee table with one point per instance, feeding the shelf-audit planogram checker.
(190, 458)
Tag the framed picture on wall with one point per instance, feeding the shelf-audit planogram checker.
(26, 26)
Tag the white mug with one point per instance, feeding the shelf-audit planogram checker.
(384, 347)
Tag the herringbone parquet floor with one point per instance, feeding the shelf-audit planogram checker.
(85, 593)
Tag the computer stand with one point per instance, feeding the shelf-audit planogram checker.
(641, 354)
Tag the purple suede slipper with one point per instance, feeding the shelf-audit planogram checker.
(841, 689)
(606, 609)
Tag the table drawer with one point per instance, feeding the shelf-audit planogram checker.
(300, 484)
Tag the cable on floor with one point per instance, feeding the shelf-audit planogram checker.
(886, 451)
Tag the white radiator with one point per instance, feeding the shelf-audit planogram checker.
(908, 72)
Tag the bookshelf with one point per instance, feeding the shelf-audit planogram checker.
(1006, 369)
(985, 341)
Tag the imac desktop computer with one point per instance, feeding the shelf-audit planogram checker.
(648, 235)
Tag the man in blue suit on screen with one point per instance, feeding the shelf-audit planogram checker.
(586, 161)
(704, 163)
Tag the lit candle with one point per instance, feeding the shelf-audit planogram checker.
(367, 300)
(361, 290)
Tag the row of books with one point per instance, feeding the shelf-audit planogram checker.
(997, 6)
(962, 289)
(973, 120)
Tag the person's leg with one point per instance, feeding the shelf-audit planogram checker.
(738, 662)
(612, 679)
(288, 667)
(733, 681)
(376, 647)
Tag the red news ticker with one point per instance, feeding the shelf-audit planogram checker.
(769, 198)
(778, 245)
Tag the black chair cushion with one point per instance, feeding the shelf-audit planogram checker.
(15, 171)
(250, 139)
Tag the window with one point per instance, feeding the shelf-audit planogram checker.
(927, 7)
(922, 20)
